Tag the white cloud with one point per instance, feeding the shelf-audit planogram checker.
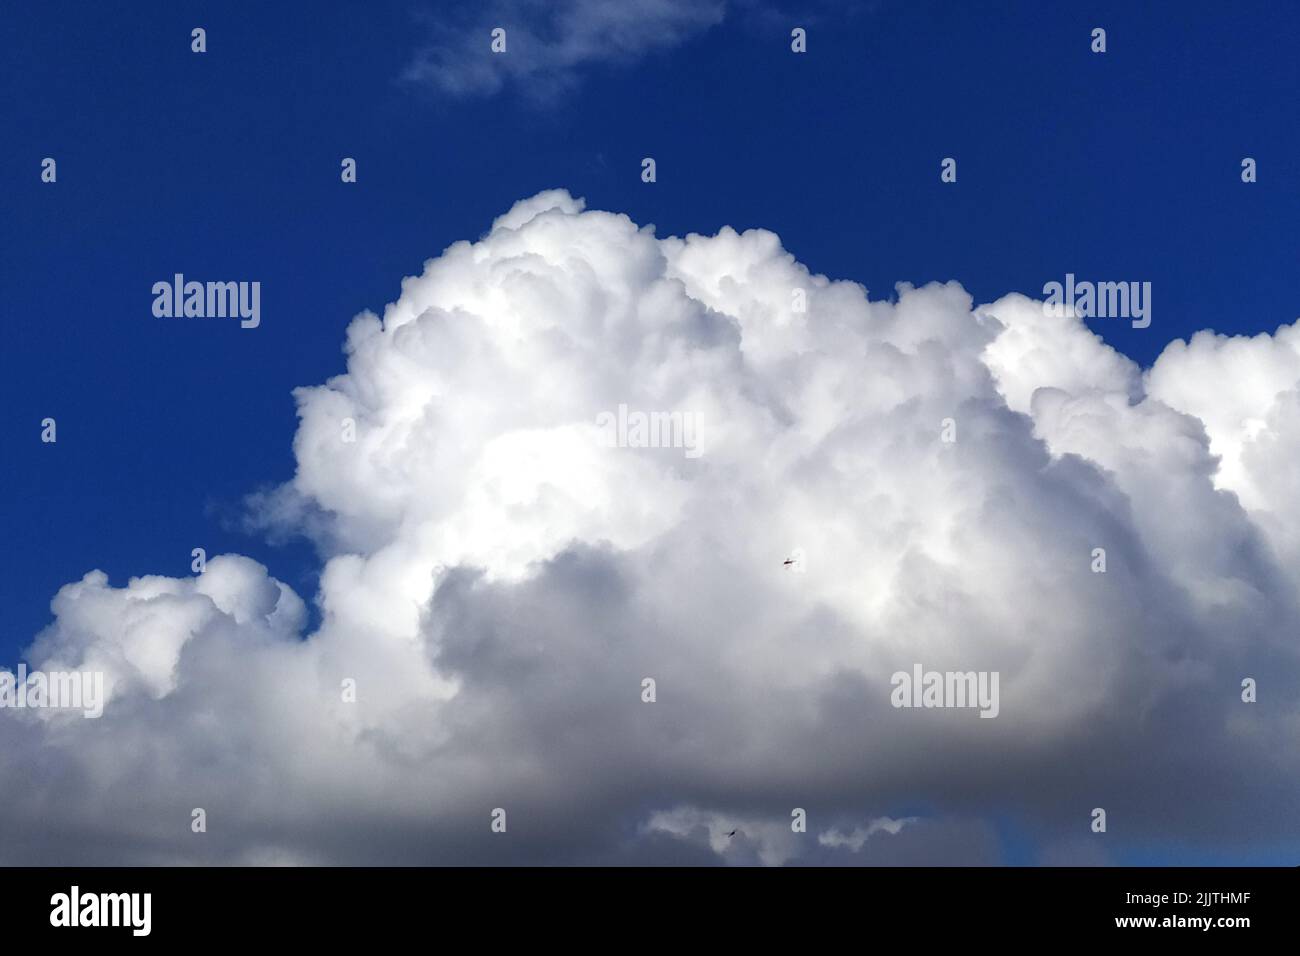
(549, 42)
(858, 837)
(498, 583)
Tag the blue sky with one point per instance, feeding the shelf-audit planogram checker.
(226, 166)
(1115, 165)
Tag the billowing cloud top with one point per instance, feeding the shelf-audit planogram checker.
(501, 578)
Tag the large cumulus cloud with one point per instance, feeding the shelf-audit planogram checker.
(498, 582)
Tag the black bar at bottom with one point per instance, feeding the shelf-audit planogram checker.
(620, 906)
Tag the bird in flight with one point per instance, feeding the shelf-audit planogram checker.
(788, 561)
(732, 833)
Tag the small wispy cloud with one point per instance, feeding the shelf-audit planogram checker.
(548, 44)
